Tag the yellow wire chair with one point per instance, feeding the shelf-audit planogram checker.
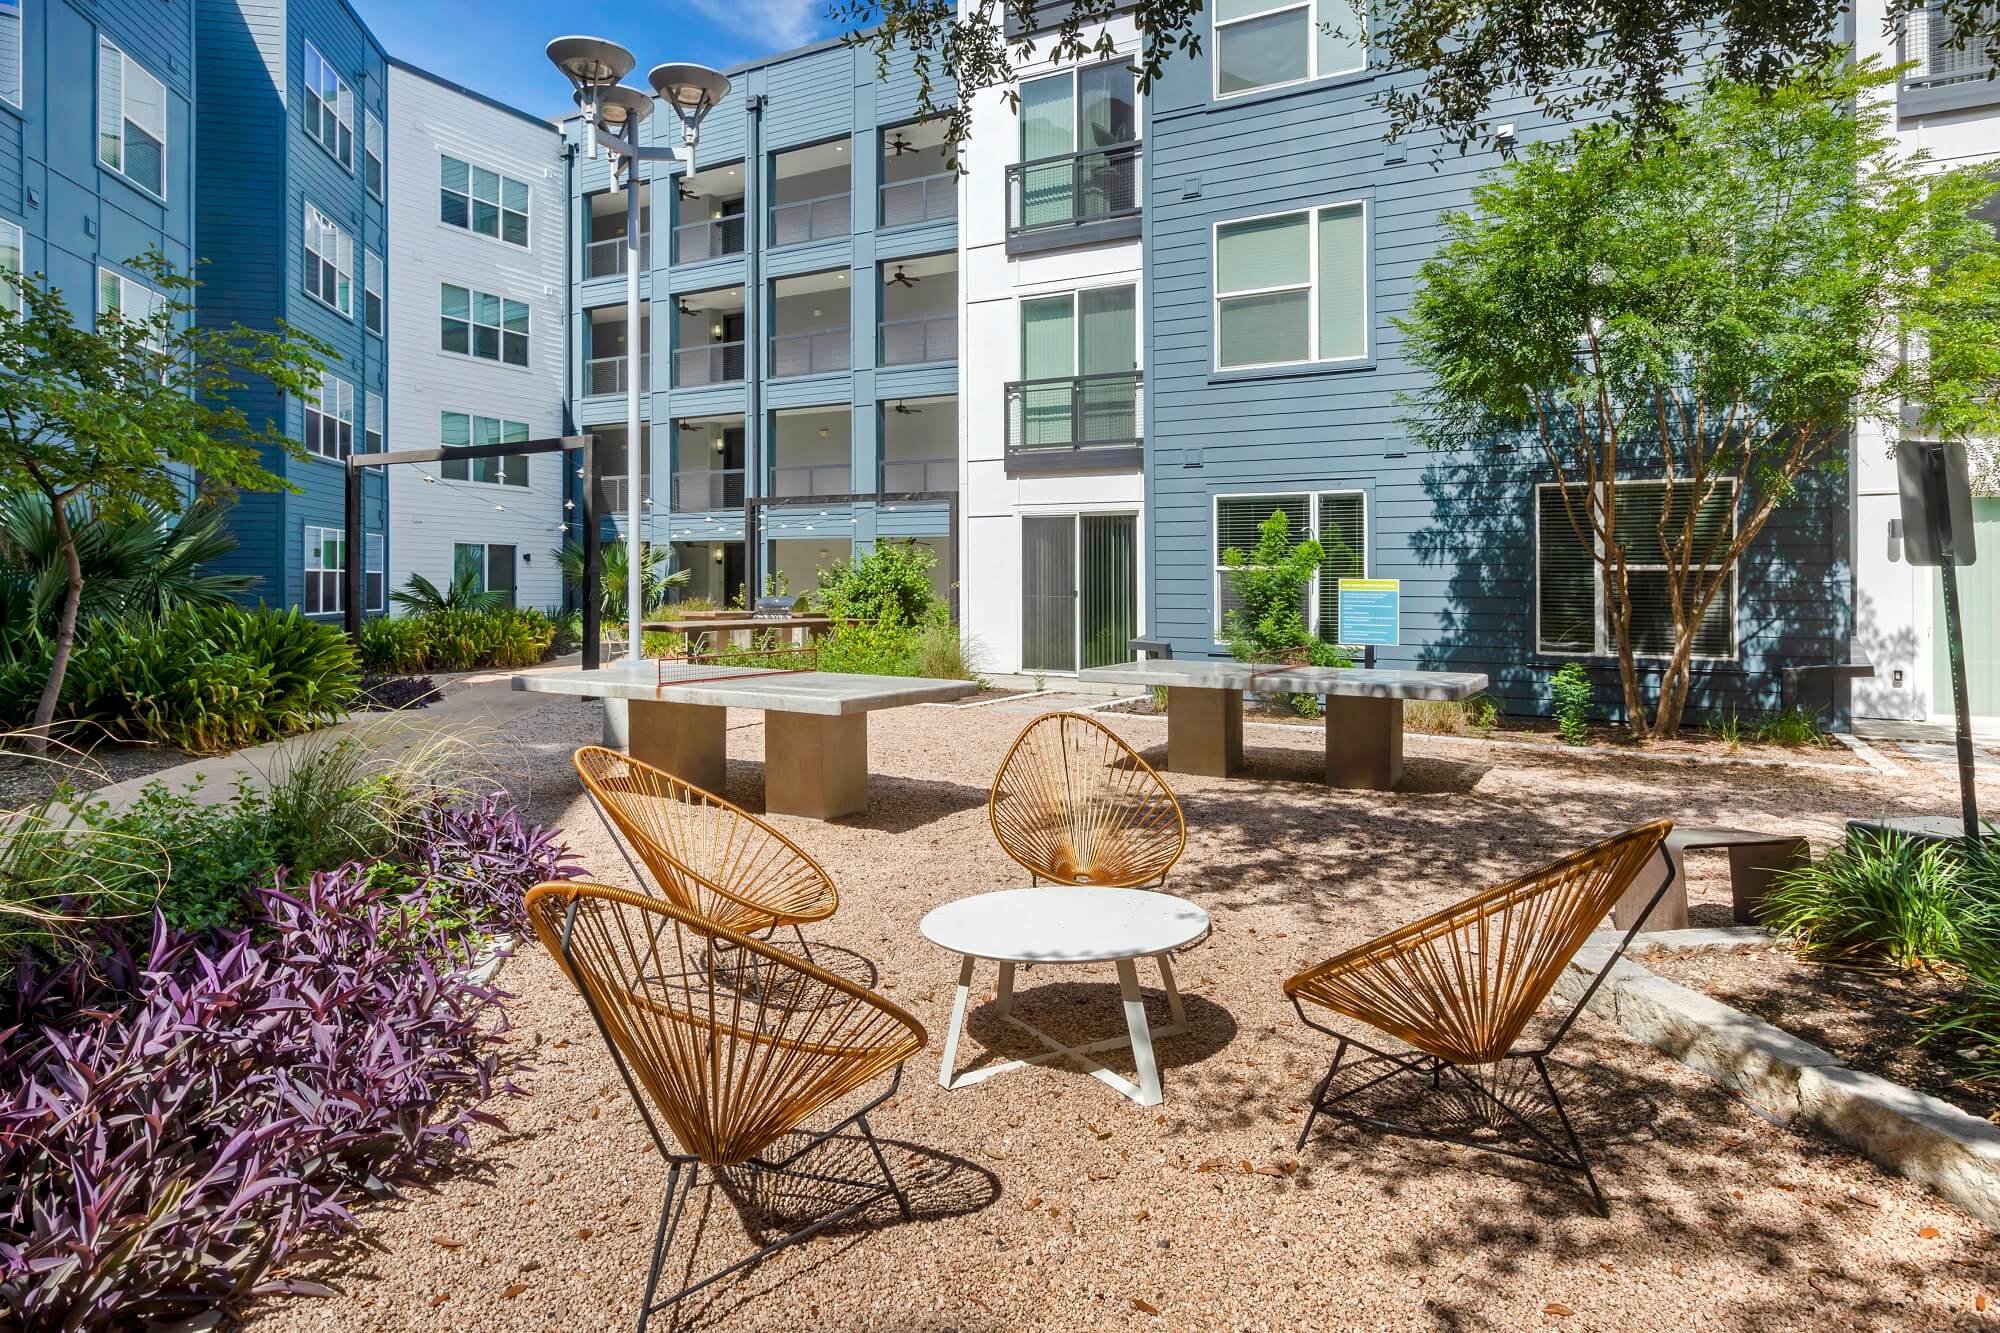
(1462, 984)
(708, 856)
(719, 1070)
(1077, 805)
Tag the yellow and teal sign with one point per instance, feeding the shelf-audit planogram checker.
(1371, 611)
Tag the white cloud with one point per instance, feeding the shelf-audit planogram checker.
(766, 26)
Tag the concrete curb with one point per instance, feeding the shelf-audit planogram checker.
(1791, 1082)
(487, 963)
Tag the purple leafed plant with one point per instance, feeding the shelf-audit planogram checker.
(384, 694)
(487, 858)
(169, 1134)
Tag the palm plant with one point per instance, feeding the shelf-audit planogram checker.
(612, 565)
(422, 597)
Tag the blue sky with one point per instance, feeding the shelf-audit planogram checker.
(495, 46)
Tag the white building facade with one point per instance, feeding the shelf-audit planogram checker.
(475, 302)
(1053, 401)
(1947, 106)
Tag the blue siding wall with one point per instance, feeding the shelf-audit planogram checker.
(1456, 529)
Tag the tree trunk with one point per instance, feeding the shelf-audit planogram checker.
(45, 710)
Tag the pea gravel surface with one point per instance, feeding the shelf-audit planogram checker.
(1043, 1200)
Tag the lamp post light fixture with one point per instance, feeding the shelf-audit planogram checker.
(612, 114)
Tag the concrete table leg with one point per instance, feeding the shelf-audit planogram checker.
(1364, 742)
(815, 765)
(1672, 913)
(1204, 731)
(1752, 871)
(686, 740)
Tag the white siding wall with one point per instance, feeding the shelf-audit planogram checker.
(427, 118)
(1894, 602)
(992, 285)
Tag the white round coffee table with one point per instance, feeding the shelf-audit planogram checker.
(1062, 925)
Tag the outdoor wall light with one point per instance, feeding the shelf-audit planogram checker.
(717, 553)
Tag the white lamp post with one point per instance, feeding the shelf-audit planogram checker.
(611, 115)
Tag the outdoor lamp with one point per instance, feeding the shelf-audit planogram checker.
(691, 91)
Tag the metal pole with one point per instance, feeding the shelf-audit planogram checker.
(353, 542)
(1947, 546)
(593, 561)
(634, 548)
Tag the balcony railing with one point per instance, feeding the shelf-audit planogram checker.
(1074, 412)
(815, 219)
(709, 239)
(695, 490)
(920, 338)
(606, 258)
(614, 489)
(812, 479)
(811, 353)
(606, 374)
(1073, 188)
(919, 474)
(924, 199)
(710, 363)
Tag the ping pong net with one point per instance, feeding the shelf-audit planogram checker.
(699, 664)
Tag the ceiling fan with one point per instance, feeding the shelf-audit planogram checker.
(899, 145)
(694, 426)
(684, 192)
(904, 409)
(902, 279)
(684, 308)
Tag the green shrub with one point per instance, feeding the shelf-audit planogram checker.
(1892, 899)
(890, 583)
(1727, 728)
(872, 649)
(393, 644)
(59, 881)
(1572, 693)
(1270, 585)
(456, 639)
(945, 654)
(1797, 725)
(202, 856)
(521, 638)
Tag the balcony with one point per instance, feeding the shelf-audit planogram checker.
(1074, 198)
(1075, 423)
(606, 258)
(811, 324)
(604, 251)
(918, 186)
(606, 363)
(708, 215)
(708, 338)
(613, 473)
(811, 479)
(613, 491)
(711, 363)
(920, 338)
(606, 374)
(919, 310)
(901, 476)
(919, 445)
(812, 451)
(708, 488)
(714, 238)
(1940, 78)
(812, 194)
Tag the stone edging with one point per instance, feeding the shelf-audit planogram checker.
(492, 957)
(1790, 1081)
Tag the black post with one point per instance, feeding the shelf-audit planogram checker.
(593, 561)
(350, 577)
(1940, 507)
(753, 513)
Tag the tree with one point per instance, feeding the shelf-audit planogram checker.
(612, 558)
(1576, 58)
(1719, 310)
(1270, 585)
(122, 413)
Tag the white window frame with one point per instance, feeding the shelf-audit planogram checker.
(472, 434)
(10, 294)
(485, 550)
(127, 68)
(315, 567)
(339, 414)
(1311, 286)
(1312, 499)
(375, 567)
(316, 101)
(1313, 72)
(343, 259)
(1073, 74)
(130, 289)
(499, 235)
(374, 422)
(374, 152)
(500, 330)
(371, 289)
(18, 99)
(1601, 604)
(1076, 324)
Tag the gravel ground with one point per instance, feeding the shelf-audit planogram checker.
(26, 779)
(1044, 1200)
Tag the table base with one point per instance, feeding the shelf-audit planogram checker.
(1139, 1034)
(1364, 737)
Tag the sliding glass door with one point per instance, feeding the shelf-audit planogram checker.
(1079, 590)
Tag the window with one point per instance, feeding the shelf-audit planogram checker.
(330, 419)
(326, 569)
(1092, 333)
(131, 119)
(10, 51)
(1338, 520)
(459, 428)
(329, 262)
(374, 563)
(1572, 605)
(482, 201)
(372, 146)
(1270, 43)
(491, 567)
(373, 422)
(483, 325)
(329, 108)
(1292, 288)
(371, 304)
(13, 260)
(125, 298)
(1068, 120)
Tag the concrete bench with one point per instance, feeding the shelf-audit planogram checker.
(1754, 862)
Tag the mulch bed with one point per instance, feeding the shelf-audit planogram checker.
(26, 779)
(1868, 1018)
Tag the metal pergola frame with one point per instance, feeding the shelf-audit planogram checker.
(585, 446)
(753, 530)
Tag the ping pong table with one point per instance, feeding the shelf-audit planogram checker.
(815, 723)
(1364, 711)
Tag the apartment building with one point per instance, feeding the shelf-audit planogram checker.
(1947, 104)
(290, 216)
(800, 345)
(1053, 427)
(476, 291)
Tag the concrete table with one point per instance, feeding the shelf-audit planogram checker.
(1755, 862)
(1364, 711)
(1064, 925)
(815, 724)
